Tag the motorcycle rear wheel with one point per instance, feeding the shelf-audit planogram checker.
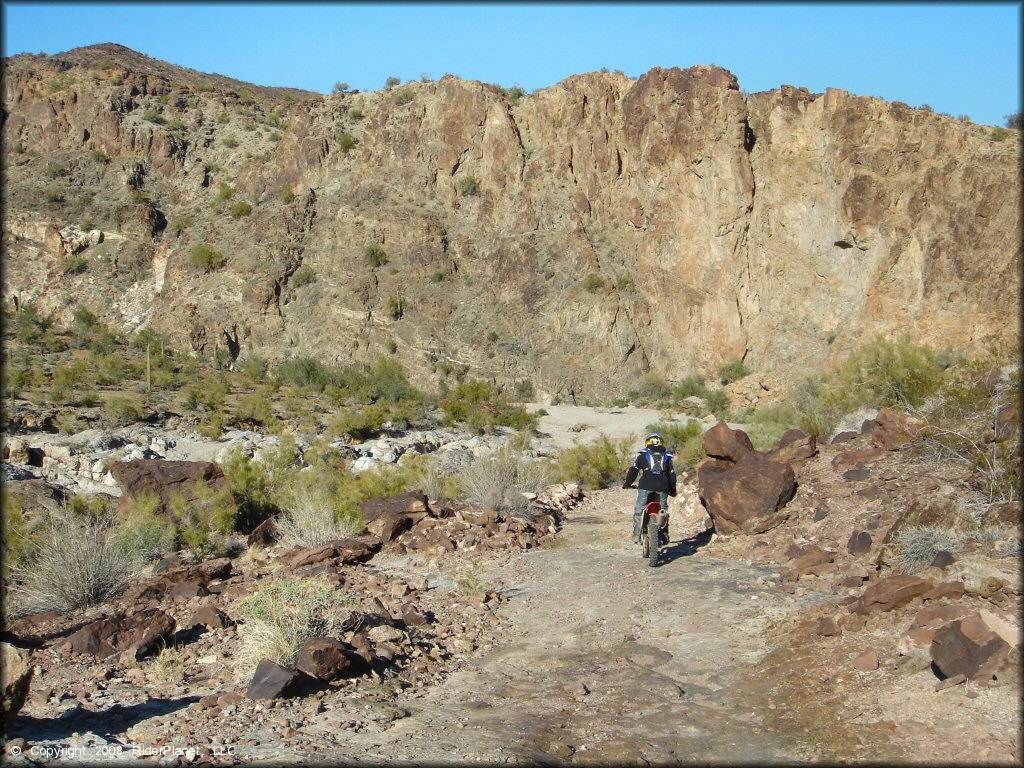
(652, 539)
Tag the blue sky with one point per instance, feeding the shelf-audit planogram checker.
(958, 58)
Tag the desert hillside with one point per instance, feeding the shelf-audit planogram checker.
(316, 412)
(576, 238)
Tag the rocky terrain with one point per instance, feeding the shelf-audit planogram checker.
(794, 637)
(576, 238)
(316, 407)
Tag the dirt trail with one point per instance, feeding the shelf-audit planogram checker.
(608, 660)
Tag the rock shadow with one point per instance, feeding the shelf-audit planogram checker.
(106, 723)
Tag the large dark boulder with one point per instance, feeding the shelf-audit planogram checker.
(272, 681)
(732, 445)
(742, 490)
(975, 646)
(390, 517)
(166, 479)
(793, 447)
(891, 592)
(747, 498)
(139, 633)
(324, 658)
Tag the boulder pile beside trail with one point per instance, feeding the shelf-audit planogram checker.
(908, 578)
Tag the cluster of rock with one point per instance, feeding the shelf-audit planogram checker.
(949, 619)
(408, 523)
(82, 462)
(398, 627)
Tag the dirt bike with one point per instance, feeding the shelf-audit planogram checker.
(654, 530)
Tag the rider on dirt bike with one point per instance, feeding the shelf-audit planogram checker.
(654, 466)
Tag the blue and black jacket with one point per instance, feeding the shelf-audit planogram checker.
(655, 469)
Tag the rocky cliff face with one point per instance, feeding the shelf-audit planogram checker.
(577, 238)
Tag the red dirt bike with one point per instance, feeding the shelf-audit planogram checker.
(654, 530)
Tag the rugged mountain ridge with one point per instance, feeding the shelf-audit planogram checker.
(577, 237)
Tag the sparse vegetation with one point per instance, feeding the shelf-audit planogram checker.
(396, 307)
(468, 186)
(347, 142)
(498, 482)
(375, 256)
(593, 282)
(734, 370)
(281, 616)
(206, 258)
(917, 546)
(75, 561)
(240, 209)
(599, 464)
(304, 275)
(74, 264)
(392, 81)
(476, 404)
(311, 517)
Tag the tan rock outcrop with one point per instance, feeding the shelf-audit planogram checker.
(602, 227)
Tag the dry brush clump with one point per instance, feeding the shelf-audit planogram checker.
(973, 421)
(500, 481)
(281, 616)
(917, 545)
(311, 517)
(79, 559)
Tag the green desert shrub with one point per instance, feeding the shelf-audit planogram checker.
(240, 209)
(898, 374)
(206, 258)
(74, 264)
(478, 406)
(766, 424)
(305, 372)
(304, 275)
(375, 256)
(347, 142)
(734, 370)
(396, 307)
(360, 421)
(145, 527)
(593, 282)
(652, 388)
(20, 540)
(121, 411)
(206, 520)
(468, 186)
(599, 464)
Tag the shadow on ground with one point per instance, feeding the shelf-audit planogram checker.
(684, 548)
(106, 723)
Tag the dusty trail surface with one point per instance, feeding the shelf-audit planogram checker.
(606, 660)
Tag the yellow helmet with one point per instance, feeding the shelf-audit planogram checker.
(654, 440)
